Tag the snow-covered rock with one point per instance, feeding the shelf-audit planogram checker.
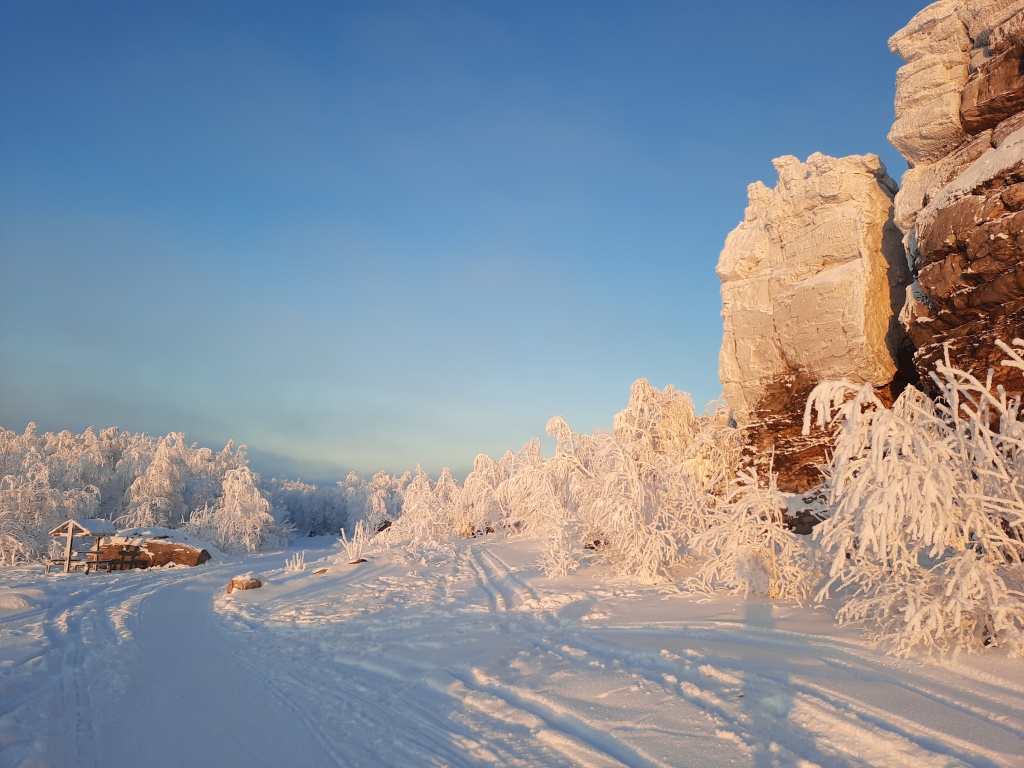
(812, 282)
(959, 121)
(936, 47)
(244, 581)
(152, 547)
(945, 47)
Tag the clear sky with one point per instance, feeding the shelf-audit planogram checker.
(366, 235)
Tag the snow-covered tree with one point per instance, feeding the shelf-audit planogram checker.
(750, 550)
(154, 499)
(29, 507)
(44, 486)
(134, 479)
(926, 540)
(630, 499)
(241, 521)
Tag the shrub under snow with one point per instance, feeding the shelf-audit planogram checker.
(631, 498)
(926, 539)
(748, 548)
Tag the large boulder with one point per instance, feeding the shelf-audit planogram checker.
(154, 547)
(960, 125)
(813, 280)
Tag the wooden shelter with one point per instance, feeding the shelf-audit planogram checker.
(90, 558)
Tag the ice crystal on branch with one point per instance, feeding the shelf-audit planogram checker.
(749, 549)
(926, 539)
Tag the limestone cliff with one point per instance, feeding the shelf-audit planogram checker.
(960, 125)
(812, 282)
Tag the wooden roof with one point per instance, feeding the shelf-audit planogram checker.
(85, 528)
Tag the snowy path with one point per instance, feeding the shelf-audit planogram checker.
(186, 680)
(468, 660)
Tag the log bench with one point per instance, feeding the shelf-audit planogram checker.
(129, 558)
(75, 563)
(134, 548)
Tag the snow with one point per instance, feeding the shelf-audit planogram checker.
(90, 527)
(171, 535)
(467, 657)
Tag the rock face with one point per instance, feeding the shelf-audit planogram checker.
(812, 282)
(960, 124)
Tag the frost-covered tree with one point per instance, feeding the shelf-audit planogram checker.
(154, 499)
(926, 539)
(134, 479)
(749, 549)
(241, 520)
(634, 498)
(40, 490)
(29, 507)
(630, 499)
(431, 511)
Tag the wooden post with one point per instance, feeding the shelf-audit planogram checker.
(67, 551)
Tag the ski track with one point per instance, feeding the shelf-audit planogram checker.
(464, 661)
(725, 678)
(56, 670)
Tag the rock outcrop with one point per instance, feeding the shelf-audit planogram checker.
(960, 125)
(812, 282)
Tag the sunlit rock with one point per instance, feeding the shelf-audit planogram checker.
(812, 282)
(244, 581)
(960, 124)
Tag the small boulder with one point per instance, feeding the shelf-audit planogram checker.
(245, 581)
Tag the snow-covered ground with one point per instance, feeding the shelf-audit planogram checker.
(471, 659)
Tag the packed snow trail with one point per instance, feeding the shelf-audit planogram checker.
(466, 658)
(186, 698)
(140, 670)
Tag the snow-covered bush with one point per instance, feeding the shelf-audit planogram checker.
(631, 498)
(610, 502)
(15, 546)
(635, 497)
(431, 511)
(241, 521)
(749, 549)
(356, 545)
(926, 539)
(296, 563)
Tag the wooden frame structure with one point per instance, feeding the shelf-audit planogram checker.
(82, 529)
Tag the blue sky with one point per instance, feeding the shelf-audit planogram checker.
(363, 235)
